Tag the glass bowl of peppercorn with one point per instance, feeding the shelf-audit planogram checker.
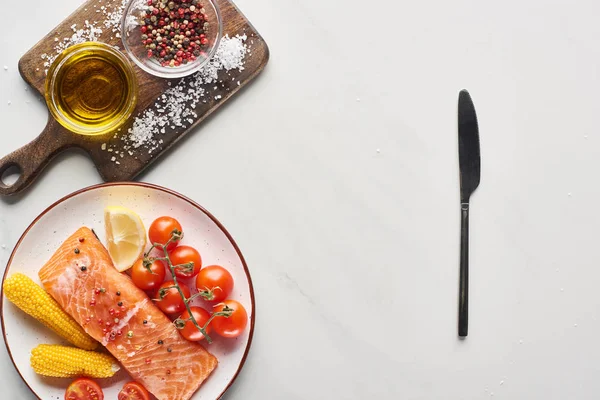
(171, 38)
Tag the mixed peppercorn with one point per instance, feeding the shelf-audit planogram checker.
(174, 31)
(108, 327)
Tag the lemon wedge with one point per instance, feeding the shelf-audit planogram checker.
(126, 236)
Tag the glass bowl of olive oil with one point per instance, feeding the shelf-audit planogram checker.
(91, 89)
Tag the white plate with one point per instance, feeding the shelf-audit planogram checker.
(85, 208)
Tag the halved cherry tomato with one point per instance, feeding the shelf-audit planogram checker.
(189, 331)
(133, 391)
(168, 298)
(214, 282)
(162, 229)
(184, 255)
(148, 278)
(84, 389)
(234, 325)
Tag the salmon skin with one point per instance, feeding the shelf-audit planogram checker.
(81, 277)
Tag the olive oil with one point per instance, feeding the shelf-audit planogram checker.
(91, 89)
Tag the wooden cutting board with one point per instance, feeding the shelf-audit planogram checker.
(107, 151)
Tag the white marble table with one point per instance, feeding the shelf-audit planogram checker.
(336, 172)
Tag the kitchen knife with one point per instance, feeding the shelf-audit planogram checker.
(470, 171)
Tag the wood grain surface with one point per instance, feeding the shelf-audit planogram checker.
(33, 157)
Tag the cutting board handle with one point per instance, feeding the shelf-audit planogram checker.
(32, 158)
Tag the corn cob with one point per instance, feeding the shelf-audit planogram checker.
(33, 300)
(68, 362)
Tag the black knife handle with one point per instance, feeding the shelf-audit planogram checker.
(463, 296)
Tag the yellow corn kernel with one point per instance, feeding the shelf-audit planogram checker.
(35, 301)
(68, 362)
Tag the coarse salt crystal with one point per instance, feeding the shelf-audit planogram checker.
(176, 106)
(89, 33)
(113, 18)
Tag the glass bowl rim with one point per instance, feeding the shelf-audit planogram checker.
(50, 94)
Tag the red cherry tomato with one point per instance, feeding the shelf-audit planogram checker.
(170, 301)
(189, 331)
(215, 283)
(162, 229)
(234, 325)
(184, 255)
(148, 278)
(133, 391)
(84, 389)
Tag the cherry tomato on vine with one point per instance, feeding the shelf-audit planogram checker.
(190, 331)
(235, 324)
(214, 283)
(148, 278)
(162, 229)
(183, 256)
(168, 298)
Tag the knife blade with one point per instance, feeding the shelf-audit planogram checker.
(470, 175)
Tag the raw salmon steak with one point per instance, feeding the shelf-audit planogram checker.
(111, 309)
